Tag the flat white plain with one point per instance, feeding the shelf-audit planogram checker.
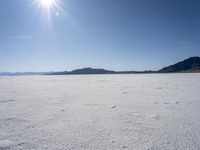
(141, 112)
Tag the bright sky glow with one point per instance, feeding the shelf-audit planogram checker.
(47, 9)
(47, 4)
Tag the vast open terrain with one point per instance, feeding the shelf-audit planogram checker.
(104, 112)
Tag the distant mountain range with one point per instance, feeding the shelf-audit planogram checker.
(189, 65)
(96, 71)
(23, 73)
(84, 71)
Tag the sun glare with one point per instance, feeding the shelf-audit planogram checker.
(48, 7)
(47, 3)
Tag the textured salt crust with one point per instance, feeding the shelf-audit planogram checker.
(113, 112)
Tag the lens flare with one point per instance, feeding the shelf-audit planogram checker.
(49, 9)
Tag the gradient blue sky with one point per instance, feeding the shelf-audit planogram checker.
(110, 34)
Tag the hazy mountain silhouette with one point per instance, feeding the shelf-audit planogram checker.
(97, 71)
(85, 71)
(189, 65)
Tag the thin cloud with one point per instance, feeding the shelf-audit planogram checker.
(23, 37)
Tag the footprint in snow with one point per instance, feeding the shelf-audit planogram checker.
(113, 106)
(177, 102)
(125, 93)
(7, 101)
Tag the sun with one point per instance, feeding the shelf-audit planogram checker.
(48, 9)
(46, 3)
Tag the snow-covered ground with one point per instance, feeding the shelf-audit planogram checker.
(100, 112)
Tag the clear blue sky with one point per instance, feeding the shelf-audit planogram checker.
(110, 34)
